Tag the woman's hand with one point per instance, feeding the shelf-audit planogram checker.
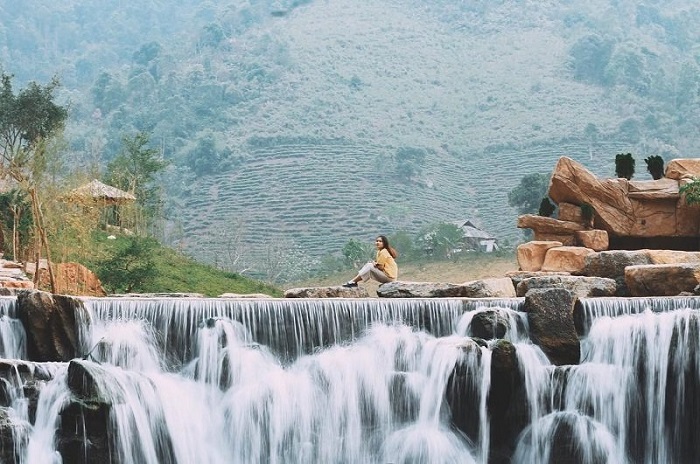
(379, 266)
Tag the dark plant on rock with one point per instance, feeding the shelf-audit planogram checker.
(655, 166)
(624, 165)
(546, 207)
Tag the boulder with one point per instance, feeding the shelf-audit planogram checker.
(50, 323)
(398, 289)
(501, 287)
(336, 291)
(550, 317)
(530, 255)
(566, 258)
(678, 169)
(612, 264)
(491, 324)
(581, 286)
(662, 279)
(596, 239)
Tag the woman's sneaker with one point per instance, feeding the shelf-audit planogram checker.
(350, 284)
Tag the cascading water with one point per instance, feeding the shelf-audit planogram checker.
(12, 335)
(361, 381)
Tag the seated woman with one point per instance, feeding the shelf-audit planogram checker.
(383, 269)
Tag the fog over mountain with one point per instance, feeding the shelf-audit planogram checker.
(295, 126)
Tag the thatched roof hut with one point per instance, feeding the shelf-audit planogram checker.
(97, 192)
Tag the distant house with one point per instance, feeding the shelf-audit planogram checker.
(475, 238)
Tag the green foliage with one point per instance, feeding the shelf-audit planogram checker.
(405, 245)
(624, 165)
(356, 252)
(691, 192)
(655, 166)
(547, 208)
(527, 195)
(589, 58)
(409, 162)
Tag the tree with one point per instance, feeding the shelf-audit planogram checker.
(442, 239)
(527, 195)
(356, 252)
(589, 57)
(135, 170)
(29, 122)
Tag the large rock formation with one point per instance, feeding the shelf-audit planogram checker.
(635, 209)
(50, 323)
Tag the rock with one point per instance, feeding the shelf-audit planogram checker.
(501, 287)
(399, 289)
(582, 287)
(72, 279)
(244, 295)
(530, 255)
(573, 183)
(662, 279)
(50, 323)
(519, 276)
(489, 324)
(548, 229)
(567, 259)
(571, 213)
(623, 208)
(678, 169)
(596, 239)
(550, 317)
(507, 401)
(462, 392)
(14, 436)
(672, 256)
(612, 264)
(327, 292)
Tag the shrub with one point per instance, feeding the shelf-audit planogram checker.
(624, 165)
(691, 192)
(546, 207)
(655, 166)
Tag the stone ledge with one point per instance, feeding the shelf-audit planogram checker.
(337, 291)
(483, 288)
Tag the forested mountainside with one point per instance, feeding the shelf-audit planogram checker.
(294, 126)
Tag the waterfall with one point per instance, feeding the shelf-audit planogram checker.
(13, 343)
(184, 380)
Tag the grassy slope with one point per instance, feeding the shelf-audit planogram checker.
(177, 273)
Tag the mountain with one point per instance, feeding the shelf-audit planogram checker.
(296, 126)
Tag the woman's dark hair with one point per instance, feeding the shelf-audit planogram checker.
(385, 241)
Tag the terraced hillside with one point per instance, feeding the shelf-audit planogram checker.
(318, 196)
